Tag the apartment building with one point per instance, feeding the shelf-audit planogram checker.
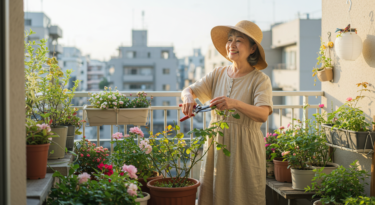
(41, 24)
(191, 69)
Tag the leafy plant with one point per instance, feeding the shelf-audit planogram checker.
(38, 133)
(172, 149)
(339, 184)
(359, 200)
(89, 156)
(80, 189)
(71, 119)
(127, 151)
(270, 139)
(113, 99)
(323, 60)
(45, 84)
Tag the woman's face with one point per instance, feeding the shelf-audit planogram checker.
(238, 47)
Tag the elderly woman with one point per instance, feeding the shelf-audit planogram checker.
(241, 178)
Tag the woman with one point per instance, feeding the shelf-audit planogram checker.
(241, 178)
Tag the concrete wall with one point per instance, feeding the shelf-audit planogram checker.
(15, 104)
(348, 73)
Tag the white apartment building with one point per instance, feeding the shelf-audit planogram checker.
(191, 68)
(95, 74)
(41, 24)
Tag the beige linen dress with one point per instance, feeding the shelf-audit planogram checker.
(241, 178)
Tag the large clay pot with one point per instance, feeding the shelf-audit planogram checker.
(325, 75)
(270, 170)
(173, 196)
(36, 156)
(143, 201)
(301, 178)
(58, 143)
(282, 173)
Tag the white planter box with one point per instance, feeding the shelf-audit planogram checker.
(123, 116)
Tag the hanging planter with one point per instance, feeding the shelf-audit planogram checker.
(325, 74)
(348, 44)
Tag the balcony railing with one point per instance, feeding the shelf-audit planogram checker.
(304, 94)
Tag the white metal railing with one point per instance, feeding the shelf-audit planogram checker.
(177, 94)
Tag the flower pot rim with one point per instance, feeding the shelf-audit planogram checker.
(174, 189)
(294, 169)
(329, 163)
(38, 144)
(145, 198)
(90, 107)
(59, 127)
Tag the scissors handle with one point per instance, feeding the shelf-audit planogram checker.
(186, 117)
(180, 105)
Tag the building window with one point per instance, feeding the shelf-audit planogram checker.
(148, 55)
(201, 61)
(165, 54)
(130, 54)
(27, 22)
(166, 87)
(64, 63)
(166, 103)
(133, 71)
(165, 71)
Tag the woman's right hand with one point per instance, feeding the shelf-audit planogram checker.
(188, 104)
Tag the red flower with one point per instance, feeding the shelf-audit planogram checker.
(75, 113)
(50, 122)
(121, 173)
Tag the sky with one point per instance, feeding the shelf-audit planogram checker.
(98, 28)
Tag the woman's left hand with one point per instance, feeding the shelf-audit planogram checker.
(223, 103)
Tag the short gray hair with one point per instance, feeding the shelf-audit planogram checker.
(254, 57)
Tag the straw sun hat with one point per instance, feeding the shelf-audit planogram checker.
(219, 35)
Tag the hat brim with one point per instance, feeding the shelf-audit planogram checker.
(219, 36)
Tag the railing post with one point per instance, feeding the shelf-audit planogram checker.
(111, 139)
(191, 139)
(292, 117)
(84, 123)
(305, 111)
(98, 136)
(281, 117)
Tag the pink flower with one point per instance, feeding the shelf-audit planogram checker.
(88, 155)
(117, 135)
(273, 149)
(126, 135)
(98, 160)
(294, 154)
(268, 134)
(132, 189)
(131, 170)
(288, 125)
(274, 134)
(314, 157)
(321, 105)
(44, 127)
(349, 99)
(148, 149)
(265, 139)
(83, 178)
(268, 145)
(136, 130)
(282, 127)
(81, 155)
(285, 153)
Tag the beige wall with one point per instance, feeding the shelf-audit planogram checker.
(16, 103)
(348, 73)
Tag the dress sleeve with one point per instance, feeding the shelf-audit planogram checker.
(263, 93)
(203, 88)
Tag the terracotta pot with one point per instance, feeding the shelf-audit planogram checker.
(282, 173)
(173, 196)
(270, 170)
(144, 184)
(143, 201)
(301, 178)
(58, 143)
(325, 75)
(36, 161)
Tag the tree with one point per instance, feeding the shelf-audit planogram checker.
(103, 83)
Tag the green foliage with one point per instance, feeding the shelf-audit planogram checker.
(359, 200)
(171, 184)
(45, 83)
(302, 146)
(103, 83)
(71, 118)
(113, 99)
(339, 184)
(111, 190)
(171, 149)
(38, 133)
(271, 139)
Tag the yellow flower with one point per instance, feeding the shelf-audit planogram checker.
(330, 44)
(324, 47)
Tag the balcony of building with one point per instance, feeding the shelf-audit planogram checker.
(55, 32)
(55, 48)
(138, 78)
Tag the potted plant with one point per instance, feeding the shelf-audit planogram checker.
(118, 187)
(112, 108)
(38, 139)
(281, 166)
(359, 200)
(74, 123)
(89, 157)
(164, 190)
(347, 126)
(46, 93)
(127, 151)
(324, 73)
(271, 138)
(339, 185)
(348, 44)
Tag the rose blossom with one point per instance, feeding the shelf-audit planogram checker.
(349, 99)
(285, 153)
(132, 189)
(117, 135)
(83, 178)
(131, 170)
(282, 127)
(137, 131)
(268, 145)
(321, 105)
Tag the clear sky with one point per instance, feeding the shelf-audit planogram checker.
(98, 27)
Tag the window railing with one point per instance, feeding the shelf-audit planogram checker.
(304, 94)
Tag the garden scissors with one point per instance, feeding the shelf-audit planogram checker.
(196, 109)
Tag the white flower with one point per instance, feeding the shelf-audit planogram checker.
(97, 96)
(115, 103)
(121, 102)
(101, 99)
(114, 97)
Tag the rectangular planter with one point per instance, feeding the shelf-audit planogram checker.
(349, 139)
(124, 116)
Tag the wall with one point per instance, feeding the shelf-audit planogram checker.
(348, 73)
(15, 102)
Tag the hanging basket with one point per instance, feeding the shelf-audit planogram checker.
(348, 46)
(325, 75)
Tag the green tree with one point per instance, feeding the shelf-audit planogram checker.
(103, 83)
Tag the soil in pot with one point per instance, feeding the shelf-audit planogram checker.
(173, 196)
(302, 178)
(144, 183)
(282, 173)
(143, 201)
(36, 156)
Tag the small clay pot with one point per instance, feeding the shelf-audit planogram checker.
(282, 173)
(36, 156)
(326, 74)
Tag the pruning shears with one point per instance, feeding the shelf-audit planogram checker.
(197, 109)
